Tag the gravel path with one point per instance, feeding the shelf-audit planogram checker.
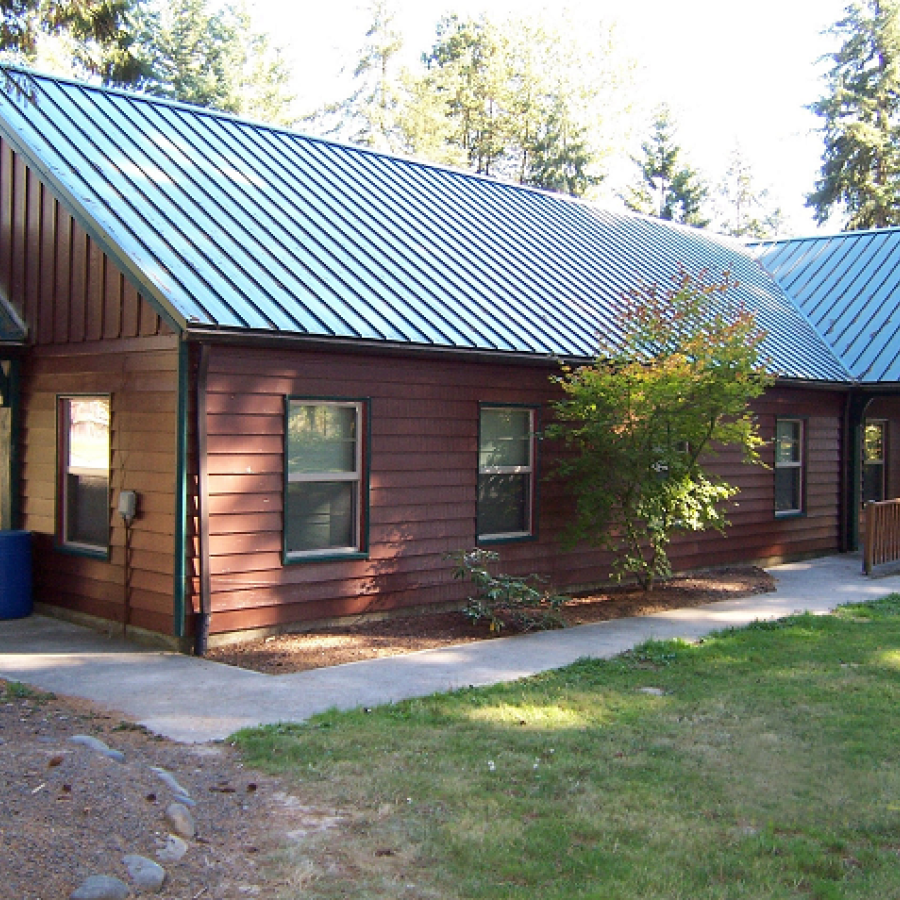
(69, 811)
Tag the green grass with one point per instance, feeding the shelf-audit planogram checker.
(769, 767)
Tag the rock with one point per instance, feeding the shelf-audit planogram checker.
(147, 875)
(101, 887)
(169, 780)
(653, 691)
(173, 851)
(181, 820)
(92, 743)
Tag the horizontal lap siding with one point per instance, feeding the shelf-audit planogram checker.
(423, 485)
(91, 332)
(142, 459)
(889, 408)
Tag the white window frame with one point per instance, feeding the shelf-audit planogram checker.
(64, 406)
(798, 465)
(528, 471)
(356, 477)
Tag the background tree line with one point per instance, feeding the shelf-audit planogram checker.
(543, 104)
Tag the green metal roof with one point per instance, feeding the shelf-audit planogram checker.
(848, 285)
(233, 226)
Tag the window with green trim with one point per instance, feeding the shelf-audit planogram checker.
(83, 498)
(789, 467)
(506, 472)
(874, 488)
(324, 468)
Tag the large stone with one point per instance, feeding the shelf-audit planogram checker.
(101, 887)
(147, 875)
(174, 850)
(181, 820)
(170, 781)
(92, 743)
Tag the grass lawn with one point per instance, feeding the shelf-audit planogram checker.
(761, 763)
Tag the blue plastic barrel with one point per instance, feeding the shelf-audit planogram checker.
(15, 574)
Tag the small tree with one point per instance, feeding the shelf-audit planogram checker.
(643, 420)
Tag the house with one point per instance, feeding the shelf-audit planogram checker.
(848, 287)
(288, 359)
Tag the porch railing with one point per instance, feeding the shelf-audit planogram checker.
(882, 536)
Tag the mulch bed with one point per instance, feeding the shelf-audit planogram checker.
(368, 639)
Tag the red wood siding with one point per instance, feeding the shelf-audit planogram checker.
(91, 332)
(888, 408)
(141, 379)
(61, 282)
(423, 481)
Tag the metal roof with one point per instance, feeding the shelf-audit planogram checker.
(848, 285)
(232, 225)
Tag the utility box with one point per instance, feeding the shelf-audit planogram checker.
(15, 574)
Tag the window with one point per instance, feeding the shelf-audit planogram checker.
(83, 506)
(788, 466)
(323, 503)
(874, 442)
(505, 472)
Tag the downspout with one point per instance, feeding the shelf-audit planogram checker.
(854, 416)
(14, 385)
(201, 636)
(181, 491)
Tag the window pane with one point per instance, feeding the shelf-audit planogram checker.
(88, 434)
(503, 504)
(873, 443)
(87, 510)
(787, 489)
(505, 438)
(873, 483)
(321, 438)
(320, 516)
(787, 442)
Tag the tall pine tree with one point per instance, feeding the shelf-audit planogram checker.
(860, 175)
(667, 188)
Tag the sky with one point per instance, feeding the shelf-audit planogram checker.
(732, 73)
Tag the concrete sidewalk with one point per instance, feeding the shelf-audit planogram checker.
(194, 700)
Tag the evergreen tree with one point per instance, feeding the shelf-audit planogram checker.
(517, 101)
(860, 175)
(667, 189)
(370, 115)
(215, 59)
(99, 35)
(748, 211)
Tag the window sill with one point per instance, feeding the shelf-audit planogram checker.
(293, 559)
(78, 550)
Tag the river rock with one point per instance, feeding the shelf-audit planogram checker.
(147, 875)
(92, 743)
(173, 851)
(101, 887)
(170, 781)
(181, 820)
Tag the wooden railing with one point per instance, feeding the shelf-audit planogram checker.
(882, 540)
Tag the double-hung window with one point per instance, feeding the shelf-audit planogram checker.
(506, 472)
(789, 464)
(323, 513)
(83, 497)
(874, 445)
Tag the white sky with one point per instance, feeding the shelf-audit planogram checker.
(732, 72)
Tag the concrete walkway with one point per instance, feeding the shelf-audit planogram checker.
(194, 700)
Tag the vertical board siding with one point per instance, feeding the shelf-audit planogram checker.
(58, 278)
(142, 384)
(423, 485)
